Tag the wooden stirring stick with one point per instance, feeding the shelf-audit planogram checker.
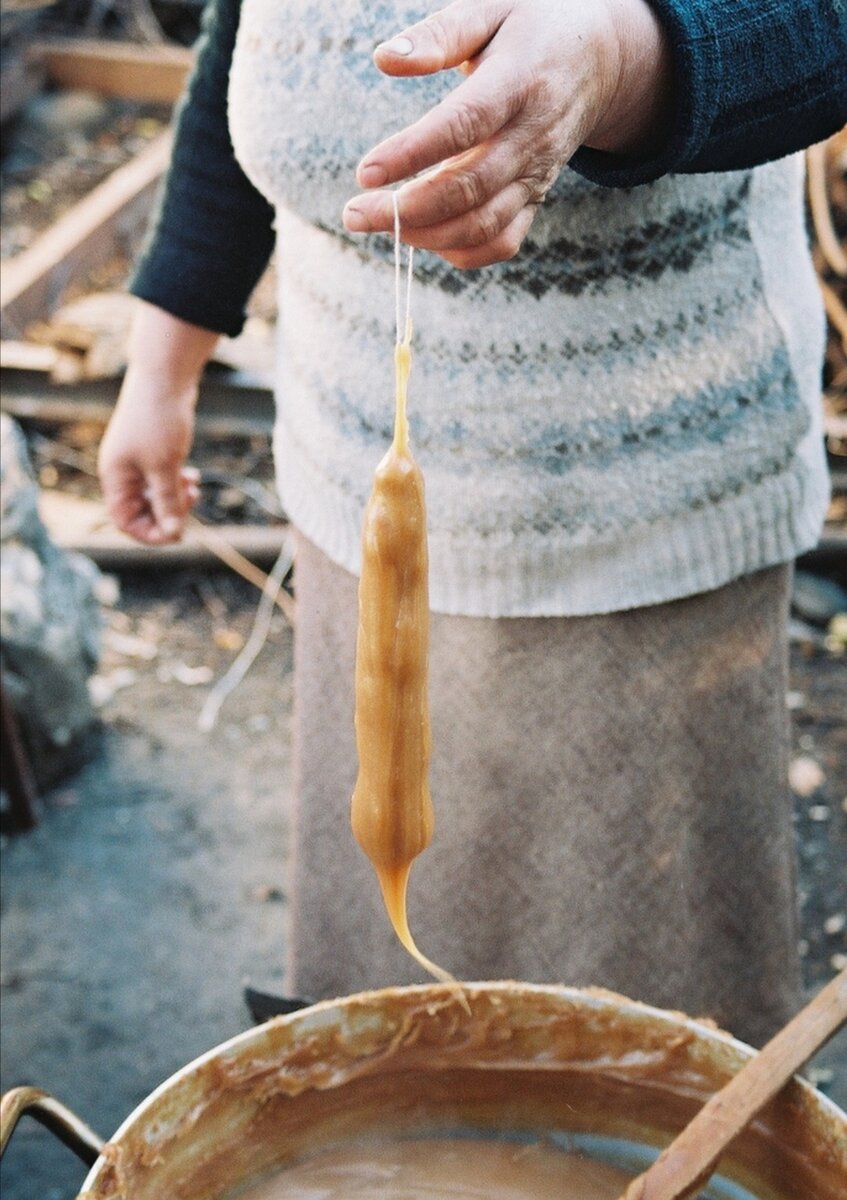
(691, 1158)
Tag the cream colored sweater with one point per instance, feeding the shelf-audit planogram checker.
(625, 414)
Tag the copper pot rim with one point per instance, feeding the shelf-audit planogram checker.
(325, 1017)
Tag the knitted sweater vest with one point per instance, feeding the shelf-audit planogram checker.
(626, 413)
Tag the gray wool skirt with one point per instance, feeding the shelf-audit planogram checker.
(610, 795)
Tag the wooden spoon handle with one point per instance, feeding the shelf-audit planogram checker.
(691, 1158)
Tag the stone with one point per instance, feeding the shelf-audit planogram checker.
(62, 113)
(49, 622)
(817, 600)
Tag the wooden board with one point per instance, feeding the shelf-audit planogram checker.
(228, 406)
(83, 526)
(93, 231)
(122, 69)
(26, 356)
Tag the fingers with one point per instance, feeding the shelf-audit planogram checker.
(497, 142)
(150, 506)
(191, 482)
(126, 501)
(446, 39)
(486, 188)
(501, 248)
(167, 500)
(478, 108)
(468, 203)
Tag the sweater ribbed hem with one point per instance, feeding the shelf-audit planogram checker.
(697, 553)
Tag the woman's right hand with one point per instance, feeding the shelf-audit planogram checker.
(147, 486)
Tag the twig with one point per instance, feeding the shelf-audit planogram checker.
(229, 681)
(242, 566)
(830, 246)
(259, 493)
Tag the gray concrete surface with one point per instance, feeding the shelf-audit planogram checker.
(155, 884)
(152, 889)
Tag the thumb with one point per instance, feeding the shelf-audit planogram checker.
(446, 39)
(166, 497)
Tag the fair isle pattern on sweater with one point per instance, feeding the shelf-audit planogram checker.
(624, 414)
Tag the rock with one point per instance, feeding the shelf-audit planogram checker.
(49, 622)
(817, 600)
(62, 113)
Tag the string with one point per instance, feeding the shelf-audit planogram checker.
(397, 337)
(403, 332)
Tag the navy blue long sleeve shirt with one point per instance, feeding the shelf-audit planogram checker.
(754, 80)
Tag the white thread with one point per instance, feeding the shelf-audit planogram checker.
(408, 331)
(403, 333)
(396, 268)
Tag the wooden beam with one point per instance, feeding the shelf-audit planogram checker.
(122, 69)
(26, 356)
(94, 230)
(228, 406)
(82, 525)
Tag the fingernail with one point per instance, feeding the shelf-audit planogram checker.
(373, 175)
(402, 46)
(355, 220)
(170, 526)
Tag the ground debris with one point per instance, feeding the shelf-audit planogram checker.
(103, 686)
(128, 645)
(805, 776)
(180, 672)
(64, 145)
(227, 639)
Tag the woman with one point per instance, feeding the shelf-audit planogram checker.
(618, 422)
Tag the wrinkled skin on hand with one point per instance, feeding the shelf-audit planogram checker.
(542, 77)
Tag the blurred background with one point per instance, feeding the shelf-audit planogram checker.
(146, 692)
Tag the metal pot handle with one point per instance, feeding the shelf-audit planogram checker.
(55, 1116)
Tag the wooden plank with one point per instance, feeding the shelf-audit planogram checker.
(228, 405)
(84, 526)
(94, 230)
(123, 69)
(26, 356)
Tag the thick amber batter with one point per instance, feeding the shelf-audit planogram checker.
(391, 812)
(444, 1169)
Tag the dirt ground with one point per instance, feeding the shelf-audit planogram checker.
(154, 887)
(155, 884)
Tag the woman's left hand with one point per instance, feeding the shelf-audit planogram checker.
(543, 77)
